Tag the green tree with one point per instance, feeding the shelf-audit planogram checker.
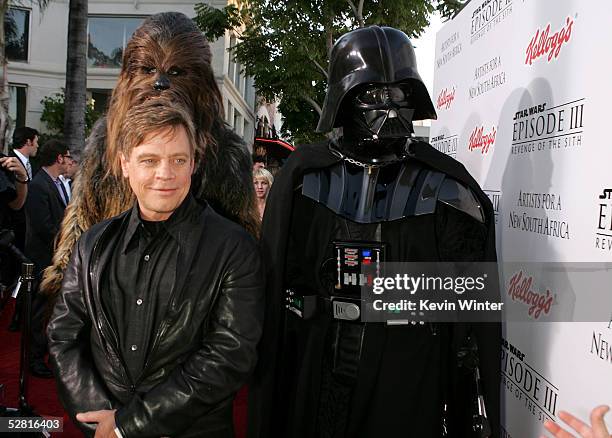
(285, 45)
(54, 111)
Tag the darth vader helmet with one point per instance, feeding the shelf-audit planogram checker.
(375, 91)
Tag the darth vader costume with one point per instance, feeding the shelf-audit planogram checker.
(322, 371)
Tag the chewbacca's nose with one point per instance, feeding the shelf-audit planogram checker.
(161, 83)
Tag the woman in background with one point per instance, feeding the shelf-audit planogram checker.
(262, 180)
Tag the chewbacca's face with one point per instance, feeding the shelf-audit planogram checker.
(162, 71)
(167, 54)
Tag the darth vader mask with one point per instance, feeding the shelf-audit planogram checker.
(379, 112)
(377, 120)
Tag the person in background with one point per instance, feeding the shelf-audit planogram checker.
(597, 429)
(67, 177)
(25, 146)
(262, 180)
(258, 164)
(13, 193)
(47, 200)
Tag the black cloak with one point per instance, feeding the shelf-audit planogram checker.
(284, 395)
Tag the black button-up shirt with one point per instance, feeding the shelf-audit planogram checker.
(139, 280)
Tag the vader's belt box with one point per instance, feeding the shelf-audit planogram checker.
(354, 264)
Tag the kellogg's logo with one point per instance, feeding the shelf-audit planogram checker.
(545, 44)
(481, 140)
(519, 289)
(445, 99)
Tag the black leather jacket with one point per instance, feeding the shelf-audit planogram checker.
(203, 351)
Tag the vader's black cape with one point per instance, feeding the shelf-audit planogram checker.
(404, 369)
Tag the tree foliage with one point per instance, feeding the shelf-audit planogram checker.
(54, 110)
(285, 45)
(215, 21)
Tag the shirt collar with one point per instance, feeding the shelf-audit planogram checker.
(55, 180)
(22, 157)
(177, 225)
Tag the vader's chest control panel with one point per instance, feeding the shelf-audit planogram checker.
(356, 265)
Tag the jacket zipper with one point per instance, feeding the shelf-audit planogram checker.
(159, 333)
(158, 336)
(113, 333)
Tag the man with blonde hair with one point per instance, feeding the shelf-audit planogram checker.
(160, 309)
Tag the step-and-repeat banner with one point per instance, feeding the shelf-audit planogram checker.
(523, 91)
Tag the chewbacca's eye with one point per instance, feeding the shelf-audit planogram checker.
(175, 71)
(149, 70)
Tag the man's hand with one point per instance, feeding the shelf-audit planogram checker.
(15, 166)
(596, 430)
(105, 419)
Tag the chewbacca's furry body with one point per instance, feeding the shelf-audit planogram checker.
(223, 179)
(170, 45)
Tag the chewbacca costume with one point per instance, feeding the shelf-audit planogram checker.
(167, 54)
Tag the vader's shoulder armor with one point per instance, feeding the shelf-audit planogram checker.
(395, 191)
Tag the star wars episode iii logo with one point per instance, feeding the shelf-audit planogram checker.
(445, 99)
(487, 16)
(530, 388)
(534, 216)
(450, 48)
(495, 197)
(487, 77)
(547, 44)
(482, 140)
(545, 128)
(603, 233)
(601, 343)
(447, 144)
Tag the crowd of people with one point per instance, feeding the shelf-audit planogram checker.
(45, 172)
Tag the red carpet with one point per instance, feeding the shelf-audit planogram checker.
(42, 393)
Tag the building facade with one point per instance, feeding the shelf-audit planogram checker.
(36, 53)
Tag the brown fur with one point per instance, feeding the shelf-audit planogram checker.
(167, 42)
(222, 176)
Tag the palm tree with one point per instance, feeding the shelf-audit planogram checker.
(76, 77)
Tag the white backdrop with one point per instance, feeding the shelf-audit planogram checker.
(523, 90)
